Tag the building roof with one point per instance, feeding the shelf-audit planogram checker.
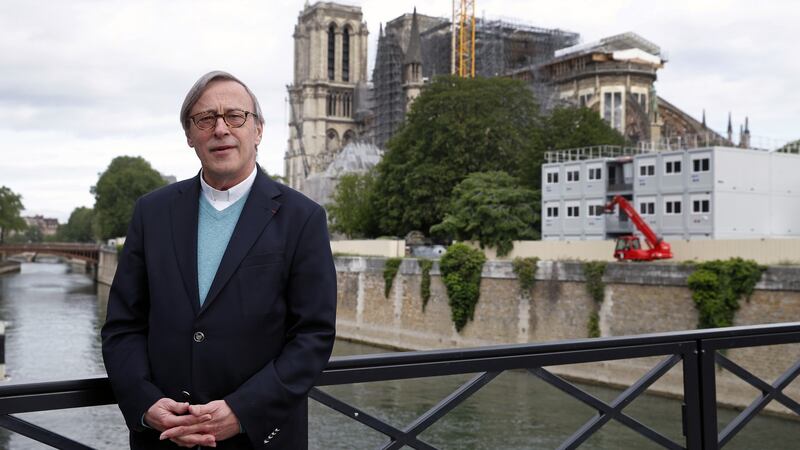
(355, 157)
(612, 44)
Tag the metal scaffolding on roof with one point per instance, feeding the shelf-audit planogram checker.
(502, 48)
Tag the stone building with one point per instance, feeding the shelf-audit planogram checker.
(330, 69)
(615, 77)
(47, 225)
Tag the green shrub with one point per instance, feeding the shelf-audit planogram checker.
(593, 271)
(389, 272)
(461, 270)
(593, 328)
(717, 287)
(425, 282)
(525, 269)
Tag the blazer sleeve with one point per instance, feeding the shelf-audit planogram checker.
(124, 334)
(264, 401)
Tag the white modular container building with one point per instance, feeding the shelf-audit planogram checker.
(700, 193)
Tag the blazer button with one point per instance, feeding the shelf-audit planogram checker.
(186, 395)
(199, 336)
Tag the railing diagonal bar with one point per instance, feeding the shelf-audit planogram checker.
(772, 392)
(619, 403)
(365, 418)
(443, 407)
(604, 408)
(760, 384)
(40, 434)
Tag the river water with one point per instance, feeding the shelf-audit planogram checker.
(53, 322)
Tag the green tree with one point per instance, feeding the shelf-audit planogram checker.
(126, 179)
(352, 210)
(10, 209)
(563, 128)
(491, 207)
(455, 127)
(79, 226)
(568, 127)
(33, 234)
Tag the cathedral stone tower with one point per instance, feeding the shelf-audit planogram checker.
(412, 64)
(330, 60)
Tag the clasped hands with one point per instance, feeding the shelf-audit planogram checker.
(191, 425)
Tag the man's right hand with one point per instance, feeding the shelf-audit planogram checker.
(167, 413)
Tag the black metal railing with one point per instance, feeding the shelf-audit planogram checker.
(698, 351)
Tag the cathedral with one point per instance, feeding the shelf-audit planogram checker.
(334, 106)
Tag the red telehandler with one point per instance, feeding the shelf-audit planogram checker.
(628, 247)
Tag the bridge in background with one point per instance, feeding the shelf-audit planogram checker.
(74, 250)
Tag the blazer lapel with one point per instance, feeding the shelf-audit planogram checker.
(185, 208)
(258, 210)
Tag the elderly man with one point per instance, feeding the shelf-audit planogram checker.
(222, 311)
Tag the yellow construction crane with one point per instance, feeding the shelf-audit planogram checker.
(462, 59)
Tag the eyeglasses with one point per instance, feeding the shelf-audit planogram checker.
(234, 118)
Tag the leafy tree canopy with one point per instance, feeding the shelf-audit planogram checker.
(10, 209)
(126, 179)
(568, 127)
(455, 127)
(79, 226)
(491, 207)
(351, 212)
(564, 128)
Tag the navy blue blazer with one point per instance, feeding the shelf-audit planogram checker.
(263, 335)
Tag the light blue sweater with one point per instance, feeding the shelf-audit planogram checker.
(214, 230)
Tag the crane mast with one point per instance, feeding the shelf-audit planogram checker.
(462, 58)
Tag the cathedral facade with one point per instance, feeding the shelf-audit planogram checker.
(330, 63)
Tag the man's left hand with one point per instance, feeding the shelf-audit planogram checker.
(223, 424)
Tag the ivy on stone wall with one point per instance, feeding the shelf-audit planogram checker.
(425, 281)
(461, 270)
(594, 324)
(389, 272)
(525, 270)
(717, 287)
(593, 272)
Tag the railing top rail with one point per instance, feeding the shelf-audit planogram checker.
(451, 355)
(382, 359)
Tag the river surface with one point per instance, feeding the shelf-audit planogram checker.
(53, 322)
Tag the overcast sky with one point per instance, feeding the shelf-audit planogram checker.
(84, 81)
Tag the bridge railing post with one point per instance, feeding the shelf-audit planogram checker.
(708, 395)
(692, 408)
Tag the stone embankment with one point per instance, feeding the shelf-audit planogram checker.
(9, 267)
(639, 299)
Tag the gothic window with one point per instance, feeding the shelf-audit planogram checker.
(331, 51)
(348, 137)
(346, 54)
(331, 140)
(612, 109)
(330, 105)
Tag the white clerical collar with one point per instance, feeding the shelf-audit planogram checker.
(222, 199)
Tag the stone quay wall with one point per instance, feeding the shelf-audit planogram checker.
(639, 299)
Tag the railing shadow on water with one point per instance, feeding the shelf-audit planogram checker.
(701, 352)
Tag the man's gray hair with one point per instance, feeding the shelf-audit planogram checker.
(197, 90)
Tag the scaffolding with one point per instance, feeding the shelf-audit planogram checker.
(503, 48)
(387, 79)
